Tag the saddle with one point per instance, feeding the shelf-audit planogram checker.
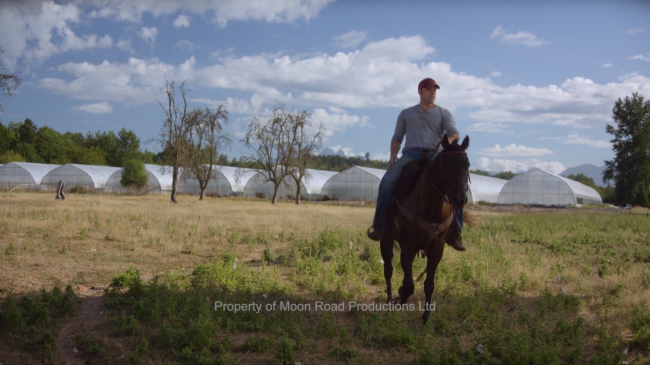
(410, 175)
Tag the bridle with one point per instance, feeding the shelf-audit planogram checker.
(431, 162)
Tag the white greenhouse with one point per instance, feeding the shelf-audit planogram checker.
(258, 187)
(539, 187)
(88, 176)
(113, 185)
(355, 183)
(484, 188)
(236, 177)
(29, 175)
(316, 182)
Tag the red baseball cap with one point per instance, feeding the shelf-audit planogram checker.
(428, 83)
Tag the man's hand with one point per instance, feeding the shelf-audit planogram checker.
(394, 150)
(392, 159)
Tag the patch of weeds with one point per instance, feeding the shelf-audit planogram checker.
(11, 250)
(188, 249)
(608, 349)
(281, 236)
(640, 327)
(247, 238)
(141, 353)
(645, 279)
(642, 254)
(108, 238)
(348, 356)
(267, 256)
(286, 354)
(82, 234)
(258, 345)
(233, 238)
(29, 323)
(603, 271)
(63, 250)
(92, 345)
(262, 238)
(126, 325)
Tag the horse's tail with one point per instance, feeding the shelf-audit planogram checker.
(470, 218)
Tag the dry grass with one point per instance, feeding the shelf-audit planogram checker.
(88, 239)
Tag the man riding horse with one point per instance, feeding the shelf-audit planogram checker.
(424, 126)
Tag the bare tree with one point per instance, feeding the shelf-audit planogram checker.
(204, 140)
(9, 82)
(303, 146)
(173, 134)
(269, 139)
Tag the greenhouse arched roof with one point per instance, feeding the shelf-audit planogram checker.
(316, 180)
(540, 187)
(484, 188)
(76, 175)
(36, 170)
(237, 177)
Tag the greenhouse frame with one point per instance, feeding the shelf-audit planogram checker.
(24, 173)
(74, 175)
(484, 189)
(540, 187)
(355, 183)
(236, 177)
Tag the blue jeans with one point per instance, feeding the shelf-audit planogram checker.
(387, 186)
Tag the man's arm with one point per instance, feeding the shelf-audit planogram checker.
(453, 137)
(394, 150)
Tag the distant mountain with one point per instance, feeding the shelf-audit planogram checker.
(328, 151)
(588, 170)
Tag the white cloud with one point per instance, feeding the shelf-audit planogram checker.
(488, 127)
(641, 57)
(514, 150)
(148, 34)
(182, 21)
(381, 156)
(495, 74)
(498, 165)
(382, 74)
(574, 138)
(521, 37)
(276, 11)
(634, 31)
(347, 151)
(350, 39)
(125, 45)
(36, 30)
(607, 65)
(185, 45)
(337, 120)
(236, 105)
(96, 108)
(136, 81)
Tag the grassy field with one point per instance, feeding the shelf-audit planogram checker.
(556, 287)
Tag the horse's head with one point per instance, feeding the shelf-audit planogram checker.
(455, 170)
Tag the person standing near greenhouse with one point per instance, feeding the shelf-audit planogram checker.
(424, 125)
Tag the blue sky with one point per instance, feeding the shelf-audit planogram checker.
(532, 83)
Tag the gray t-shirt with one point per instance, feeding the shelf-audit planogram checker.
(423, 129)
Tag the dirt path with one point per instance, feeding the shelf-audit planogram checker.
(90, 313)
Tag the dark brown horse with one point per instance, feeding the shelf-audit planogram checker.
(421, 218)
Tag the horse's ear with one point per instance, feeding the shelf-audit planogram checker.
(465, 143)
(445, 141)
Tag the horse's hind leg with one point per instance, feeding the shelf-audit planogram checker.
(407, 288)
(386, 245)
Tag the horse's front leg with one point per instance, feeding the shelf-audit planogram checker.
(433, 259)
(386, 245)
(407, 288)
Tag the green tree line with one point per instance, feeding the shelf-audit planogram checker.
(26, 142)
